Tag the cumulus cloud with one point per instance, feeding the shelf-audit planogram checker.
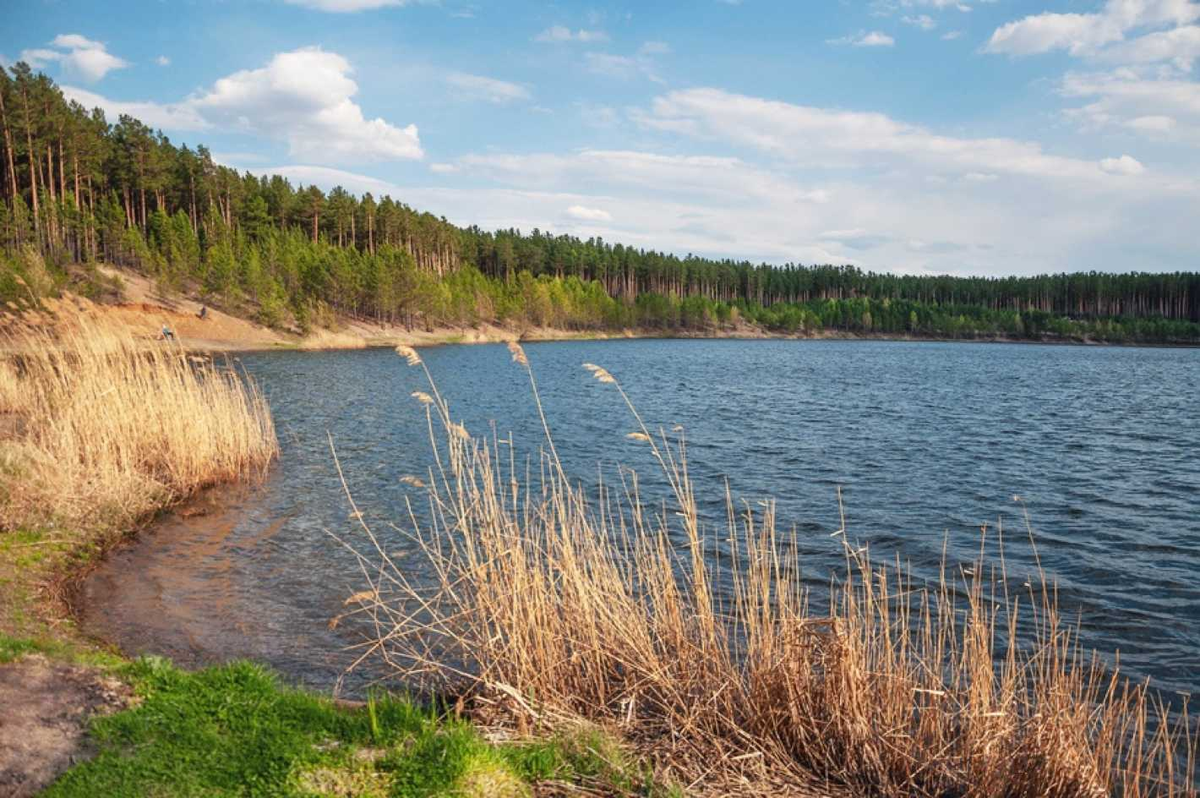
(79, 57)
(586, 214)
(1082, 34)
(303, 97)
(864, 39)
(162, 61)
(561, 33)
(479, 87)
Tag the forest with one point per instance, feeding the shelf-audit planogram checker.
(79, 189)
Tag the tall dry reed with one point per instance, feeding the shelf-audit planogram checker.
(557, 605)
(103, 429)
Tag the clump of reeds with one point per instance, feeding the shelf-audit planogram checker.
(558, 605)
(112, 429)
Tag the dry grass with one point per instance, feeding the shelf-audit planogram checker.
(557, 606)
(112, 429)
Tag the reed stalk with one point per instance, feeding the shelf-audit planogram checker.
(555, 605)
(102, 430)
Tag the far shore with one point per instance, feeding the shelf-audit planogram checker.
(146, 312)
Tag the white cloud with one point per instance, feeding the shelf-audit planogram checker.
(326, 178)
(863, 39)
(586, 214)
(1180, 45)
(347, 6)
(1152, 124)
(1125, 165)
(1130, 99)
(479, 87)
(162, 61)
(720, 178)
(1083, 34)
(78, 56)
(303, 97)
(951, 35)
(1075, 33)
(922, 21)
(826, 139)
(169, 116)
(560, 33)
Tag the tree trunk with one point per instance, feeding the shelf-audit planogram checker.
(32, 162)
(8, 148)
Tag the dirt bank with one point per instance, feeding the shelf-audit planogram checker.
(43, 727)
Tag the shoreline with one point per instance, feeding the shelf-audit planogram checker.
(144, 311)
(63, 652)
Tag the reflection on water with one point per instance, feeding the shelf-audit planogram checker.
(927, 441)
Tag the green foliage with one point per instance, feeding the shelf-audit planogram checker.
(12, 648)
(234, 730)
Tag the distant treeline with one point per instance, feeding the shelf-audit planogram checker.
(78, 190)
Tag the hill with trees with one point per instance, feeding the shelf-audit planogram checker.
(80, 189)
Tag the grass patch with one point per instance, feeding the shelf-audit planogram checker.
(235, 730)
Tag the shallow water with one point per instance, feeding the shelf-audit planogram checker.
(927, 441)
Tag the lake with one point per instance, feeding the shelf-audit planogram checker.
(927, 442)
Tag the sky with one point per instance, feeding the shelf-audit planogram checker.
(911, 136)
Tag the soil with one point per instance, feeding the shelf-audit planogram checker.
(43, 728)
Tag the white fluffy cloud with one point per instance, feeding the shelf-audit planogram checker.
(480, 87)
(1081, 34)
(79, 57)
(303, 97)
(1125, 165)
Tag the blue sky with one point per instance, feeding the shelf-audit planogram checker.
(948, 136)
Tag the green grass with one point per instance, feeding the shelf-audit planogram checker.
(235, 730)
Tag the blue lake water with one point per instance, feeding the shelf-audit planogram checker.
(927, 441)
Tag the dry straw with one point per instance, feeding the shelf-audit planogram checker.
(556, 606)
(106, 430)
